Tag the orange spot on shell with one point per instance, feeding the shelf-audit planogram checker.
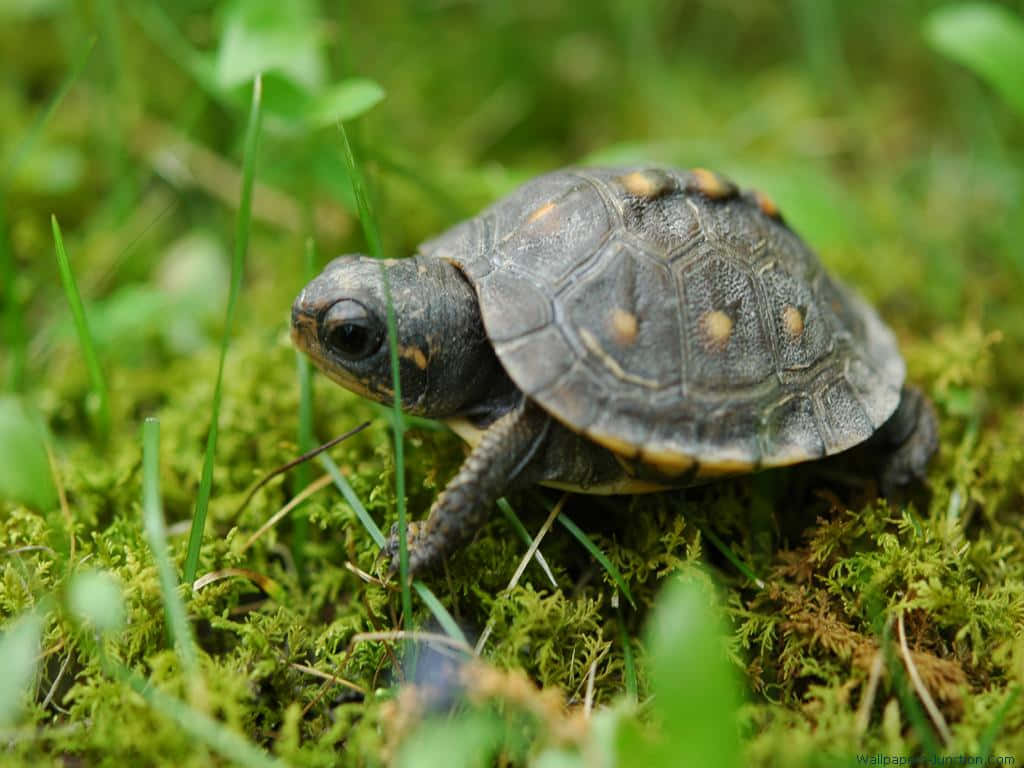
(649, 184)
(624, 326)
(712, 185)
(767, 205)
(717, 326)
(793, 319)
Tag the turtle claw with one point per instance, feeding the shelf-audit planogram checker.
(415, 534)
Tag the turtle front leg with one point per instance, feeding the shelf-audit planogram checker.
(498, 460)
(907, 441)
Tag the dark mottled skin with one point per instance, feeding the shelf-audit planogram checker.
(497, 463)
(618, 330)
(906, 442)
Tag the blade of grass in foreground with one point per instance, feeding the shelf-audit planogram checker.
(13, 321)
(252, 139)
(731, 556)
(353, 501)
(520, 529)
(303, 475)
(448, 624)
(156, 535)
(373, 241)
(92, 361)
(993, 729)
(204, 729)
(627, 654)
(598, 555)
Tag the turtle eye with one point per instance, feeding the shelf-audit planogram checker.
(351, 331)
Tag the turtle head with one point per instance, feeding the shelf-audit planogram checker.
(340, 321)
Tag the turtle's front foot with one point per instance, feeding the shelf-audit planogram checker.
(498, 461)
(907, 441)
(423, 549)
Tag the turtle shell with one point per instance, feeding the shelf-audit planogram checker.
(675, 320)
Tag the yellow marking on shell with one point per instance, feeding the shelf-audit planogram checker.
(667, 462)
(541, 212)
(619, 486)
(717, 327)
(724, 467)
(649, 184)
(788, 458)
(594, 346)
(767, 205)
(614, 444)
(473, 435)
(712, 185)
(793, 319)
(624, 326)
(416, 355)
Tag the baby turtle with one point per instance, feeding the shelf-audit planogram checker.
(617, 331)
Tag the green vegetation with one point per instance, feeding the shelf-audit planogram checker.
(789, 618)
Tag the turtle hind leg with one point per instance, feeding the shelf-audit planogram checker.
(500, 460)
(907, 441)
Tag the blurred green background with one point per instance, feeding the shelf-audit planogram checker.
(891, 134)
(901, 167)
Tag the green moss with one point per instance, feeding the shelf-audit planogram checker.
(906, 176)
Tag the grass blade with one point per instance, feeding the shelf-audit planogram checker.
(598, 555)
(520, 529)
(204, 729)
(445, 619)
(398, 425)
(303, 473)
(992, 730)
(156, 535)
(696, 691)
(353, 501)
(731, 556)
(297, 463)
(632, 689)
(252, 139)
(92, 361)
(13, 320)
